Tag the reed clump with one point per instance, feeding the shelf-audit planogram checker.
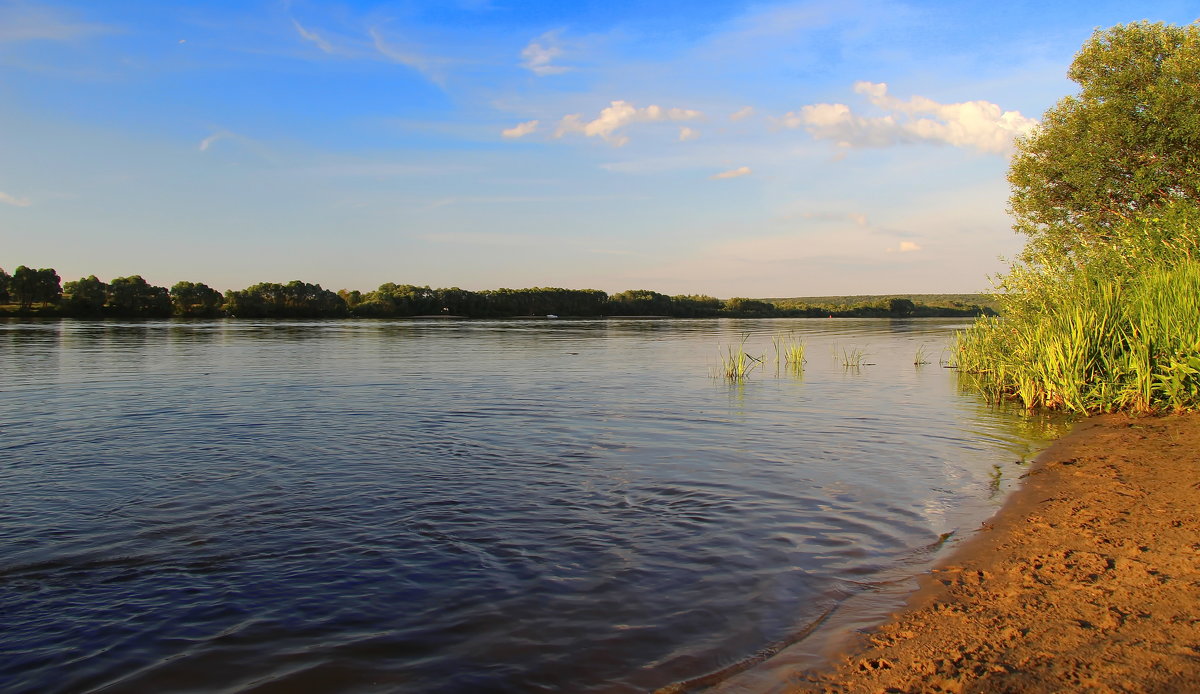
(789, 351)
(1114, 326)
(737, 363)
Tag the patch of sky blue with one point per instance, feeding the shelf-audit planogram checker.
(595, 15)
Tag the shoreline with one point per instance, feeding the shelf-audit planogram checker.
(1086, 579)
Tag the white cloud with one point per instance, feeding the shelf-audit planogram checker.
(312, 36)
(742, 113)
(905, 247)
(520, 130)
(618, 115)
(979, 125)
(732, 173)
(686, 133)
(14, 201)
(540, 54)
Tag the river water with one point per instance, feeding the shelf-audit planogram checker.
(463, 506)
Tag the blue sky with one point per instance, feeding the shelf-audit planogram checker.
(727, 148)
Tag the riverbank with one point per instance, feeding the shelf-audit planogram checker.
(1087, 580)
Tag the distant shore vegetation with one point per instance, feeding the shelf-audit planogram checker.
(30, 292)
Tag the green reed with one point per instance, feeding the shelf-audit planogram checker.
(1106, 343)
(851, 357)
(737, 363)
(789, 350)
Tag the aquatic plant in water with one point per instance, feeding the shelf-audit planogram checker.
(737, 363)
(789, 350)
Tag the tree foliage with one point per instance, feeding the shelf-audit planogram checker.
(85, 297)
(29, 286)
(1127, 143)
(195, 300)
(134, 297)
(295, 299)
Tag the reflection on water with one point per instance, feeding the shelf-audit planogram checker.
(447, 506)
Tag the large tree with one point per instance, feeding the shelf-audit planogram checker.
(1127, 143)
(195, 300)
(29, 286)
(134, 297)
(85, 297)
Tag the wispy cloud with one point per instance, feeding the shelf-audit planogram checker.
(23, 21)
(422, 64)
(212, 139)
(979, 125)
(538, 57)
(14, 201)
(314, 37)
(732, 173)
(618, 115)
(520, 130)
(686, 133)
(742, 113)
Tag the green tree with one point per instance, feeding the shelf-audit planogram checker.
(1127, 143)
(134, 297)
(901, 307)
(5, 279)
(85, 297)
(29, 286)
(195, 300)
(295, 299)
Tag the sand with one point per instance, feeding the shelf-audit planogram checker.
(1088, 580)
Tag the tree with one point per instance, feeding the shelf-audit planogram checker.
(901, 307)
(135, 297)
(5, 279)
(1129, 142)
(29, 286)
(85, 297)
(195, 300)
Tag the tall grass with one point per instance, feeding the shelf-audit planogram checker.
(1096, 341)
(789, 350)
(737, 363)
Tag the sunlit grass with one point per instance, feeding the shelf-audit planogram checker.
(737, 363)
(1109, 345)
(789, 351)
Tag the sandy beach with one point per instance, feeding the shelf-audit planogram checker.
(1087, 580)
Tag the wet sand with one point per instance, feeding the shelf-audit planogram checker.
(1088, 580)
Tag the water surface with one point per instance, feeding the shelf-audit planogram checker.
(453, 506)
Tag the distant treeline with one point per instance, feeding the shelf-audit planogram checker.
(41, 293)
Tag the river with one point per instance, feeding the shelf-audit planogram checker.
(464, 505)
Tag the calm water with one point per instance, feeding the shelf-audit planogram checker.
(449, 506)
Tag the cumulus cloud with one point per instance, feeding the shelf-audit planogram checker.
(520, 130)
(538, 57)
(742, 113)
(618, 115)
(979, 125)
(312, 36)
(732, 173)
(13, 200)
(686, 133)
